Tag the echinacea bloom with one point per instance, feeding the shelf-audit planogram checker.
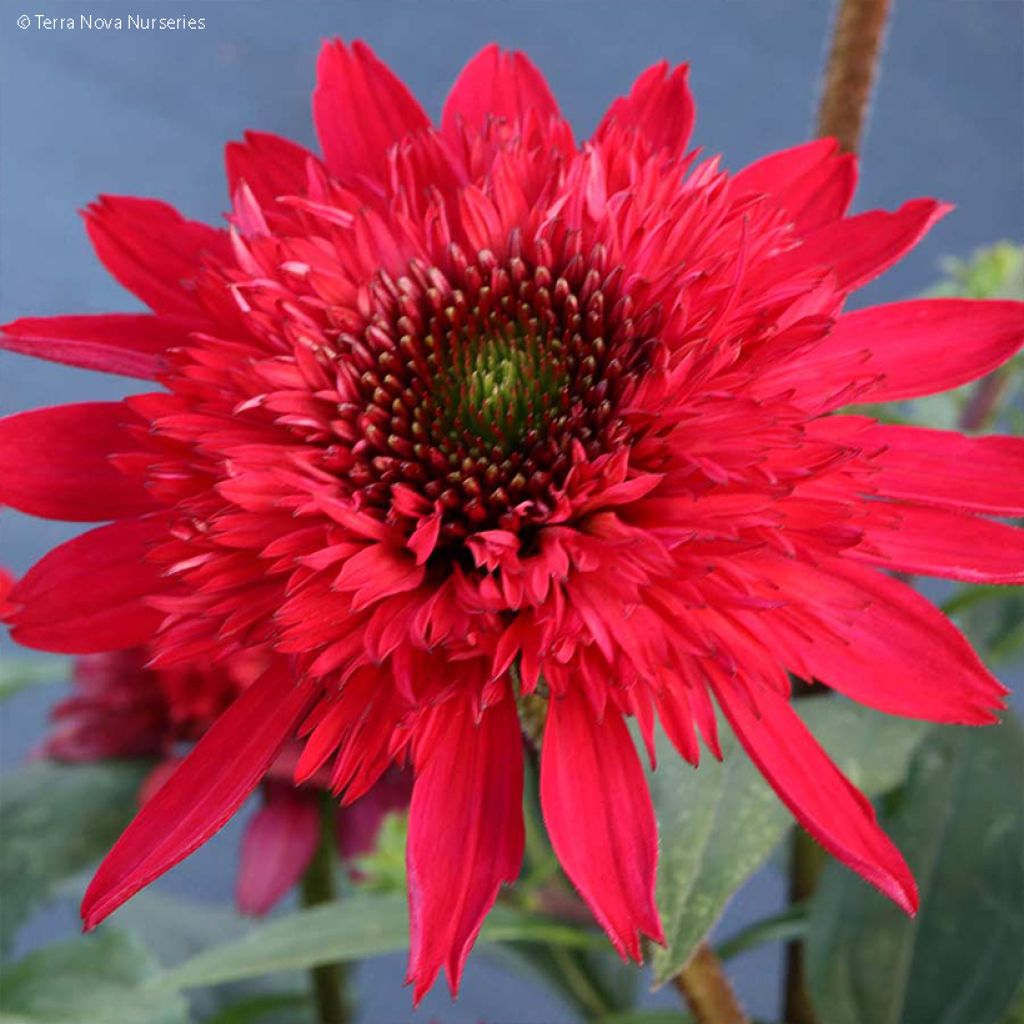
(119, 708)
(457, 414)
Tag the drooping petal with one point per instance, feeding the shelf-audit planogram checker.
(813, 182)
(89, 593)
(659, 108)
(129, 344)
(926, 345)
(361, 109)
(465, 832)
(892, 650)
(54, 463)
(857, 249)
(820, 797)
(153, 251)
(941, 542)
(279, 842)
(598, 813)
(208, 787)
(496, 83)
(948, 469)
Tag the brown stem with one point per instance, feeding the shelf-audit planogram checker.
(984, 400)
(706, 989)
(850, 73)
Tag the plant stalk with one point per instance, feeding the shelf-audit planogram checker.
(983, 404)
(857, 38)
(706, 989)
(806, 864)
(328, 980)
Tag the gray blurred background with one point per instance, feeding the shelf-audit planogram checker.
(148, 113)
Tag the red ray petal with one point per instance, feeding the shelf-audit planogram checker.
(858, 249)
(270, 165)
(278, 845)
(813, 182)
(206, 789)
(465, 833)
(944, 468)
(820, 797)
(360, 109)
(152, 250)
(894, 650)
(926, 345)
(54, 463)
(599, 816)
(128, 344)
(659, 108)
(497, 83)
(941, 542)
(88, 594)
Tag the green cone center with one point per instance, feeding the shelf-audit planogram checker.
(499, 390)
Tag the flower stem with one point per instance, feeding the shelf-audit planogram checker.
(806, 863)
(857, 38)
(706, 989)
(318, 887)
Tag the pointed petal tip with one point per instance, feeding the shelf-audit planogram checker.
(94, 910)
(911, 902)
(360, 109)
(465, 833)
(496, 82)
(421, 981)
(204, 791)
(453, 975)
(899, 887)
(599, 816)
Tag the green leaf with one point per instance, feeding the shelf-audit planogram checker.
(1015, 1015)
(786, 926)
(271, 1007)
(994, 272)
(364, 925)
(174, 928)
(382, 869)
(719, 823)
(56, 820)
(592, 982)
(18, 674)
(94, 979)
(960, 823)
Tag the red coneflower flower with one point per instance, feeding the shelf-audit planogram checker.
(120, 708)
(456, 415)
